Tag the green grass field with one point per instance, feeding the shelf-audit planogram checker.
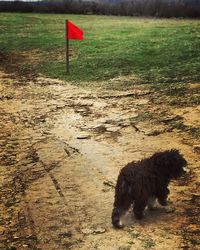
(153, 50)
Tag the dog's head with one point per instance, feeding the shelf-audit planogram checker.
(177, 165)
(172, 163)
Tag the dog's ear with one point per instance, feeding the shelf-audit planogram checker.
(175, 152)
(164, 160)
(178, 157)
(160, 159)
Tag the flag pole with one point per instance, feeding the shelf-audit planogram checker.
(67, 47)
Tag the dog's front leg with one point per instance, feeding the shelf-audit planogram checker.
(120, 208)
(162, 196)
(122, 201)
(139, 206)
(116, 217)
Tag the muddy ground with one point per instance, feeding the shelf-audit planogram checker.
(61, 150)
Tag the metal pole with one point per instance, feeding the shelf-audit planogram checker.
(67, 48)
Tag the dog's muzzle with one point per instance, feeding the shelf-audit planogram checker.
(185, 170)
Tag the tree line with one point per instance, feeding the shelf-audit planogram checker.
(155, 8)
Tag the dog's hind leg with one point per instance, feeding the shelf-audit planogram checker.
(152, 203)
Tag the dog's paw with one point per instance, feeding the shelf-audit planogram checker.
(170, 209)
(152, 208)
(139, 216)
(152, 203)
(116, 218)
(163, 202)
(119, 225)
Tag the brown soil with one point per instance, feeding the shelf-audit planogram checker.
(16, 64)
(61, 151)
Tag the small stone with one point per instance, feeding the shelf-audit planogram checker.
(99, 230)
(80, 110)
(105, 190)
(24, 245)
(197, 149)
(87, 231)
(82, 137)
(154, 133)
(109, 183)
(171, 118)
(66, 234)
(113, 129)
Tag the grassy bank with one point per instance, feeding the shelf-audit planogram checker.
(154, 50)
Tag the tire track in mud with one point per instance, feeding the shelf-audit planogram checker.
(48, 168)
(71, 195)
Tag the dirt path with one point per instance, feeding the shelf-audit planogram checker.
(61, 151)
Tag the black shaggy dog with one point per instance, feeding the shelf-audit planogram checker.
(140, 183)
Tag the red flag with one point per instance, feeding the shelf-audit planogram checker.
(74, 32)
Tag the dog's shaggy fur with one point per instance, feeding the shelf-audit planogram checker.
(140, 183)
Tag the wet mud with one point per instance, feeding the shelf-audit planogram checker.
(62, 147)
